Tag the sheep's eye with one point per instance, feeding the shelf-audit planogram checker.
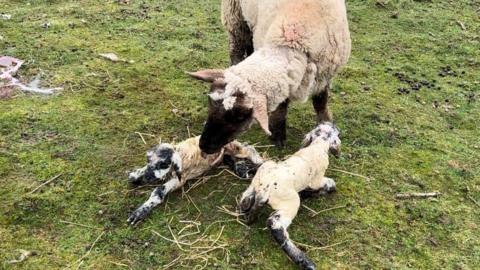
(237, 115)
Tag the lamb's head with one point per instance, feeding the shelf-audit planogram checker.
(232, 109)
(160, 160)
(328, 132)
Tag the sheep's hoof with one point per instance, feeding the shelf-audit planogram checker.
(306, 264)
(278, 142)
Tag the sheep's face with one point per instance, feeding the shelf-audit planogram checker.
(328, 132)
(160, 160)
(231, 111)
(227, 118)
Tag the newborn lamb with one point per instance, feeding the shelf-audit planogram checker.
(282, 184)
(176, 164)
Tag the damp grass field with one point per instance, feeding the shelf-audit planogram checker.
(407, 105)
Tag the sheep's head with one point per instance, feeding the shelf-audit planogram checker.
(328, 132)
(232, 108)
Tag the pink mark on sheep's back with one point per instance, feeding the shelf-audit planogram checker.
(294, 34)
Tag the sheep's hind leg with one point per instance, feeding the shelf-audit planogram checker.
(278, 124)
(156, 198)
(241, 38)
(320, 105)
(278, 223)
(241, 44)
(325, 186)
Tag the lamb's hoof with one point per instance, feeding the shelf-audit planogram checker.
(307, 264)
(137, 216)
(309, 267)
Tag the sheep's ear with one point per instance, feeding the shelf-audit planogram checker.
(260, 112)
(207, 75)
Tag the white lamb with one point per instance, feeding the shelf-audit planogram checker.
(281, 51)
(176, 164)
(279, 185)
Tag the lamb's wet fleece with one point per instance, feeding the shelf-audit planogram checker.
(174, 165)
(282, 184)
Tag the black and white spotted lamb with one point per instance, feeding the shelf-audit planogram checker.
(282, 184)
(176, 164)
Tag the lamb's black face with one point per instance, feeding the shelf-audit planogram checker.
(159, 162)
(223, 126)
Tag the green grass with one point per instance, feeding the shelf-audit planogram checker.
(87, 134)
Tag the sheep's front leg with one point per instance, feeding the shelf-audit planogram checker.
(278, 223)
(320, 105)
(324, 186)
(277, 123)
(156, 198)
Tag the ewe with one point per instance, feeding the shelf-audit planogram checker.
(281, 51)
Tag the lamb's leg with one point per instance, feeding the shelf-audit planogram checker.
(324, 186)
(278, 223)
(278, 124)
(250, 204)
(320, 105)
(240, 35)
(156, 198)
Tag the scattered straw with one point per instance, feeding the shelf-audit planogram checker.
(45, 183)
(350, 173)
(120, 264)
(81, 259)
(198, 250)
(328, 209)
(473, 200)
(141, 136)
(420, 195)
(310, 209)
(237, 216)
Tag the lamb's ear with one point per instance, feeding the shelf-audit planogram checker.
(260, 112)
(207, 75)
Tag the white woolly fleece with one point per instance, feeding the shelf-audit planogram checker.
(277, 73)
(299, 46)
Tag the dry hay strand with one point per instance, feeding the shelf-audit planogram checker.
(199, 248)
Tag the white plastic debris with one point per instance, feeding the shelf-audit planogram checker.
(9, 66)
(114, 58)
(6, 16)
(110, 56)
(24, 254)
